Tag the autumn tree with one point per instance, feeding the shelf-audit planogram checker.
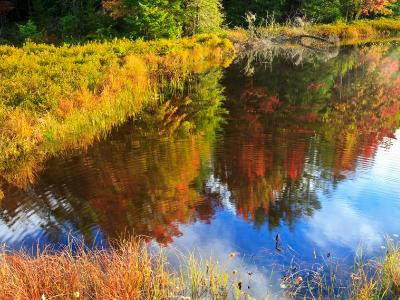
(355, 9)
(380, 7)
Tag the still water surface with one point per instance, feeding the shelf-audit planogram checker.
(306, 149)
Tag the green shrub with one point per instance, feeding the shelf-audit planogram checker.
(29, 31)
(323, 10)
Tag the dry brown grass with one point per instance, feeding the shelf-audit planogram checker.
(124, 272)
(127, 270)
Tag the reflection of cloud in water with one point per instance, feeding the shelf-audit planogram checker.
(385, 170)
(214, 185)
(357, 212)
(339, 224)
(218, 244)
(21, 229)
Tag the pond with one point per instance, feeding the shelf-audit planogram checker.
(291, 160)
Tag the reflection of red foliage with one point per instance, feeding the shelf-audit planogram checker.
(352, 126)
(295, 161)
(309, 117)
(150, 205)
(389, 66)
(252, 92)
(252, 157)
(270, 104)
(258, 100)
(370, 145)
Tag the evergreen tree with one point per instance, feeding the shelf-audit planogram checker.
(153, 19)
(323, 10)
(203, 16)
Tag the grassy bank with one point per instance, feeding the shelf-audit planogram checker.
(130, 271)
(361, 29)
(126, 271)
(53, 99)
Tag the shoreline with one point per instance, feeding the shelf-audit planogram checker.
(61, 98)
(130, 269)
(343, 33)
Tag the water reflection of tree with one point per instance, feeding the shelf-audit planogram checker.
(267, 49)
(196, 110)
(303, 129)
(288, 133)
(146, 186)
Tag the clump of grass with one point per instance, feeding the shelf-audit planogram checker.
(365, 279)
(378, 278)
(127, 271)
(331, 278)
(391, 268)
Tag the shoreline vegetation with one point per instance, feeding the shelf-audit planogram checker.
(340, 30)
(307, 34)
(56, 98)
(59, 98)
(131, 270)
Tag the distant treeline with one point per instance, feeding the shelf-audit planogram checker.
(68, 20)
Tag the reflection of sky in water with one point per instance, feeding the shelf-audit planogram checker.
(360, 210)
(363, 208)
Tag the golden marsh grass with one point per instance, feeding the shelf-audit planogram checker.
(53, 99)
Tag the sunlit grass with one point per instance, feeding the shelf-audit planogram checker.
(124, 272)
(130, 269)
(53, 99)
(391, 268)
(359, 29)
(127, 270)
(377, 28)
(378, 278)
(375, 278)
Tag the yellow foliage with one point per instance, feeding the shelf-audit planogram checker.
(383, 27)
(56, 98)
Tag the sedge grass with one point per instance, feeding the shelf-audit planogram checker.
(130, 269)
